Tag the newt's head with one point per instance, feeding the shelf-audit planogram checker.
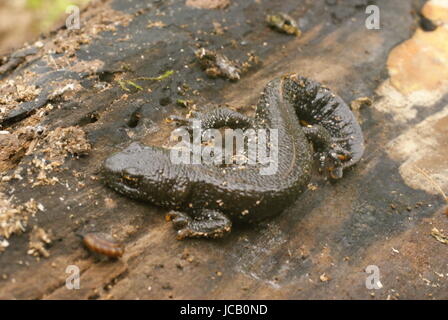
(144, 173)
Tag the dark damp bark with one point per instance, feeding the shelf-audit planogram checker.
(112, 99)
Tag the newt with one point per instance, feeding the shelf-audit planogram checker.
(205, 199)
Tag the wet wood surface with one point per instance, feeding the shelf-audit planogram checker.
(319, 248)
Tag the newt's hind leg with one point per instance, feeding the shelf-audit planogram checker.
(204, 224)
(328, 149)
(217, 118)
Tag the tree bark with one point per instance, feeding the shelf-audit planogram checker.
(89, 79)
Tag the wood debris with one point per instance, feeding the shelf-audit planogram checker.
(39, 238)
(439, 236)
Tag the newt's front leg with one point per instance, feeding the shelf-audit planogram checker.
(205, 223)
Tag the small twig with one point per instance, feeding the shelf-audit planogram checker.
(123, 83)
(433, 183)
(159, 78)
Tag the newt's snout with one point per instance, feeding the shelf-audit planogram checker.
(128, 161)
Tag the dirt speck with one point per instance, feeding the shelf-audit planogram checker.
(13, 146)
(324, 278)
(39, 238)
(283, 23)
(217, 65)
(63, 141)
(110, 203)
(439, 236)
(15, 91)
(208, 4)
(14, 218)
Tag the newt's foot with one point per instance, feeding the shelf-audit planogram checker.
(332, 160)
(337, 156)
(184, 122)
(206, 224)
(329, 150)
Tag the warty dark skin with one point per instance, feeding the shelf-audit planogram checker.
(205, 199)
